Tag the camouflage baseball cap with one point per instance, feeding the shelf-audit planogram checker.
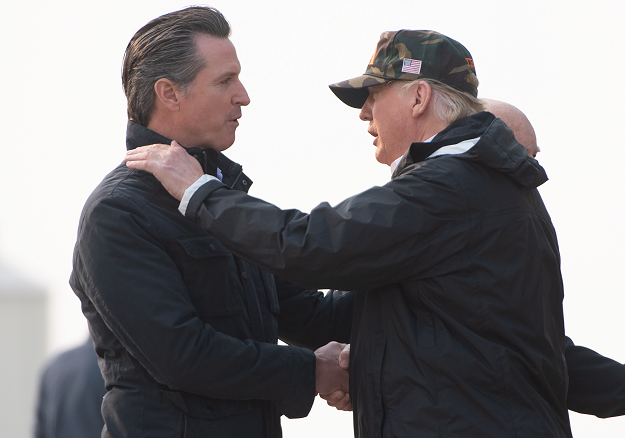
(408, 55)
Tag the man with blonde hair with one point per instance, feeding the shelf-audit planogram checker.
(457, 328)
(596, 382)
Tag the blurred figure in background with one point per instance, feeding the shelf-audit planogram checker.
(70, 396)
(596, 383)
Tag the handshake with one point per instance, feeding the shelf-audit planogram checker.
(332, 375)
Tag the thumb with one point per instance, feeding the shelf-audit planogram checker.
(344, 357)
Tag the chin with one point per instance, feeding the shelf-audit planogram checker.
(219, 146)
(225, 143)
(378, 158)
(225, 146)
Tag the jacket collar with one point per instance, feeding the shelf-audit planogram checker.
(496, 149)
(458, 131)
(209, 159)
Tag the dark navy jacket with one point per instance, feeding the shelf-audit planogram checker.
(70, 396)
(186, 332)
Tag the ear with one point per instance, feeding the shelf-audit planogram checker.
(168, 94)
(421, 93)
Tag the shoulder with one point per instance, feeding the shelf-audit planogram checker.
(125, 191)
(440, 174)
(123, 183)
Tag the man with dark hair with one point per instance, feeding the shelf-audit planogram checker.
(166, 49)
(458, 328)
(186, 333)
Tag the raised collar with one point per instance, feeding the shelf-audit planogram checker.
(488, 141)
(209, 159)
(458, 131)
(137, 136)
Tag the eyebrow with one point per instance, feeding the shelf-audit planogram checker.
(225, 75)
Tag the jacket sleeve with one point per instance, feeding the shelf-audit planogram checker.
(399, 231)
(310, 318)
(596, 383)
(139, 292)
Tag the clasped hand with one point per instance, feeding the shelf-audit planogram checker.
(333, 376)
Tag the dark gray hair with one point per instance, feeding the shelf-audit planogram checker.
(166, 48)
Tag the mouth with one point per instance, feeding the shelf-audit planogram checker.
(234, 120)
(374, 134)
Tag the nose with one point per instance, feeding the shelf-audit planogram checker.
(241, 98)
(365, 111)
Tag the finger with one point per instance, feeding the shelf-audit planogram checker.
(342, 405)
(346, 408)
(325, 347)
(142, 153)
(151, 157)
(345, 401)
(148, 166)
(136, 156)
(144, 149)
(333, 396)
(345, 404)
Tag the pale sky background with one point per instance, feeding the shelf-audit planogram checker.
(63, 124)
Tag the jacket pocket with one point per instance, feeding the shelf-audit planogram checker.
(205, 407)
(209, 272)
(134, 411)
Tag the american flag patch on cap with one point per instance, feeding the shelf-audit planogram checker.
(411, 66)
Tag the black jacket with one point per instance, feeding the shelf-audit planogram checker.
(458, 328)
(186, 332)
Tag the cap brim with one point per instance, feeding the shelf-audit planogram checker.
(353, 92)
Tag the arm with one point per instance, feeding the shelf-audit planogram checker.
(395, 231)
(384, 232)
(596, 383)
(309, 318)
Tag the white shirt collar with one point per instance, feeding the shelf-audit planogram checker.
(395, 163)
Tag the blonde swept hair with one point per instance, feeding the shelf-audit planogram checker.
(450, 104)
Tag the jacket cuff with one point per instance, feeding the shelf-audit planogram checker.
(302, 391)
(200, 195)
(184, 202)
